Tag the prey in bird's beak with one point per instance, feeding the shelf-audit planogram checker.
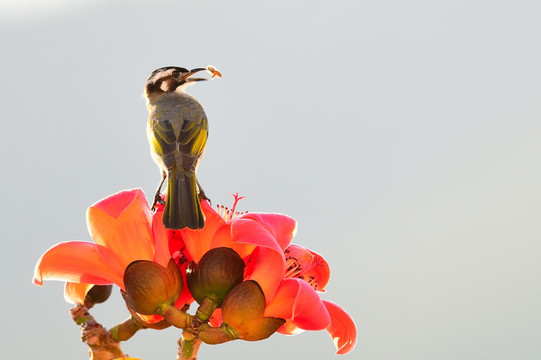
(211, 69)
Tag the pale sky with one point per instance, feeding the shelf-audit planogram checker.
(404, 137)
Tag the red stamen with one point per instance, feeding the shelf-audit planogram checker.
(229, 214)
(237, 198)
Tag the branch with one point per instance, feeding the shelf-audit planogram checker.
(101, 346)
(188, 346)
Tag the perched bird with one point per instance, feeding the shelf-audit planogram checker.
(177, 131)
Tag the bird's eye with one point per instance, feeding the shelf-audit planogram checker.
(176, 73)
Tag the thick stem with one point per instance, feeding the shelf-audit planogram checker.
(188, 346)
(205, 310)
(219, 335)
(175, 316)
(101, 345)
(125, 330)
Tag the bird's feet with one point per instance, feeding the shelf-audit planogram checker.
(203, 196)
(157, 200)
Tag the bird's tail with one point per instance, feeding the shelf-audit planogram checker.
(182, 206)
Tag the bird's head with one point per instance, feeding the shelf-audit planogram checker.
(169, 79)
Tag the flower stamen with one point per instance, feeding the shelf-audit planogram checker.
(295, 269)
(237, 198)
(230, 214)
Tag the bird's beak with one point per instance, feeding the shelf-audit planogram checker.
(193, 71)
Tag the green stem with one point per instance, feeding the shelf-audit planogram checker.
(212, 335)
(175, 316)
(205, 310)
(188, 346)
(125, 330)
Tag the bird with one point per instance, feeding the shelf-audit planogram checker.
(177, 131)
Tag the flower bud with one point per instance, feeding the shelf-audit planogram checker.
(218, 271)
(243, 309)
(149, 285)
(98, 294)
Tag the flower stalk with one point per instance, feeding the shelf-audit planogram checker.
(175, 316)
(125, 330)
(207, 307)
(219, 335)
(188, 346)
(101, 345)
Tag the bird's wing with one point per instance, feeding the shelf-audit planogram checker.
(192, 138)
(188, 146)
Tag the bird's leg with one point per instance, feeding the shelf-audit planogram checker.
(158, 196)
(202, 192)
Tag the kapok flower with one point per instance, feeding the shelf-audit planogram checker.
(288, 275)
(257, 236)
(297, 301)
(122, 229)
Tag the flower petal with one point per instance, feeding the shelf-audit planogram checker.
(243, 235)
(251, 232)
(185, 297)
(161, 240)
(290, 329)
(266, 267)
(297, 301)
(308, 266)
(319, 272)
(282, 227)
(151, 319)
(342, 328)
(197, 242)
(75, 261)
(121, 223)
(176, 244)
(75, 293)
(224, 238)
(266, 261)
(216, 318)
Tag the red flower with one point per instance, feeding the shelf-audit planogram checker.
(122, 230)
(298, 302)
(289, 275)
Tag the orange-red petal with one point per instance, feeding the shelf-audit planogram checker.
(313, 267)
(282, 227)
(289, 328)
(297, 301)
(185, 296)
(266, 264)
(161, 240)
(75, 261)
(216, 318)
(121, 223)
(266, 267)
(75, 293)
(342, 328)
(224, 238)
(151, 319)
(198, 242)
(319, 271)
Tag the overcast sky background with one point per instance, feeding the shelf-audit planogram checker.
(404, 137)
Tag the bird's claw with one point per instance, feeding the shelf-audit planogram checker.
(203, 196)
(157, 200)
